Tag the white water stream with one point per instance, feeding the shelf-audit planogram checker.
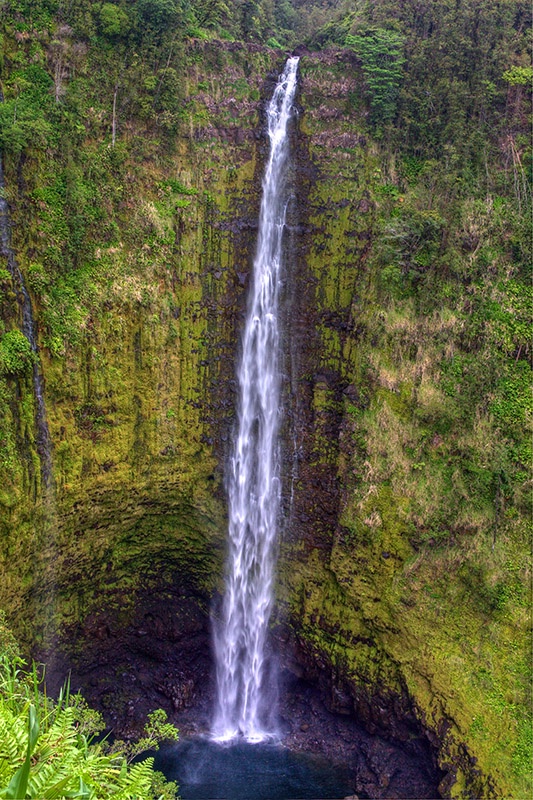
(244, 703)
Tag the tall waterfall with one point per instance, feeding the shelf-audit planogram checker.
(244, 707)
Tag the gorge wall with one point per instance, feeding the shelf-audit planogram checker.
(403, 557)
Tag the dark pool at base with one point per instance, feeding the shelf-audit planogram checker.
(205, 770)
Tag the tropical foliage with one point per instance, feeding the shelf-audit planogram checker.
(49, 748)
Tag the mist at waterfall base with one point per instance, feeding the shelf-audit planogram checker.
(207, 770)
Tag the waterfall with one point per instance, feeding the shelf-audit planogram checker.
(29, 329)
(244, 705)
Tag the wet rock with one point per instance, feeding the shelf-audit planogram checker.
(179, 691)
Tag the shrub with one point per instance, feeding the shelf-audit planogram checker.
(16, 354)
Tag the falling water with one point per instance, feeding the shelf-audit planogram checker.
(254, 485)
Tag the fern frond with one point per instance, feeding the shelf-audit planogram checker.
(13, 736)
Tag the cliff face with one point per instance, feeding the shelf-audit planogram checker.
(401, 563)
(138, 336)
(401, 587)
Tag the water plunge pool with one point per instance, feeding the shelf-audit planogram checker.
(205, 770)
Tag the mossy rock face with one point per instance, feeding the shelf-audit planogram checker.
(401, 574)
(137, 327)
(404, 555)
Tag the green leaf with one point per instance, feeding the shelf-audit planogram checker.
(19, 782)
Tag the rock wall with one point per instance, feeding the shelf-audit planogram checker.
(139, 337)
(139, 384)
(379, 613)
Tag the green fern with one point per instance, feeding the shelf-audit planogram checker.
(12, 735)
(47, 751)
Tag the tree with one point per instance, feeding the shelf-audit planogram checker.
(381, 54)
(210, 13)
(158, 14)
(114, 20)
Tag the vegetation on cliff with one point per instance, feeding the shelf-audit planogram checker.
(118, 124)
(421, 396)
